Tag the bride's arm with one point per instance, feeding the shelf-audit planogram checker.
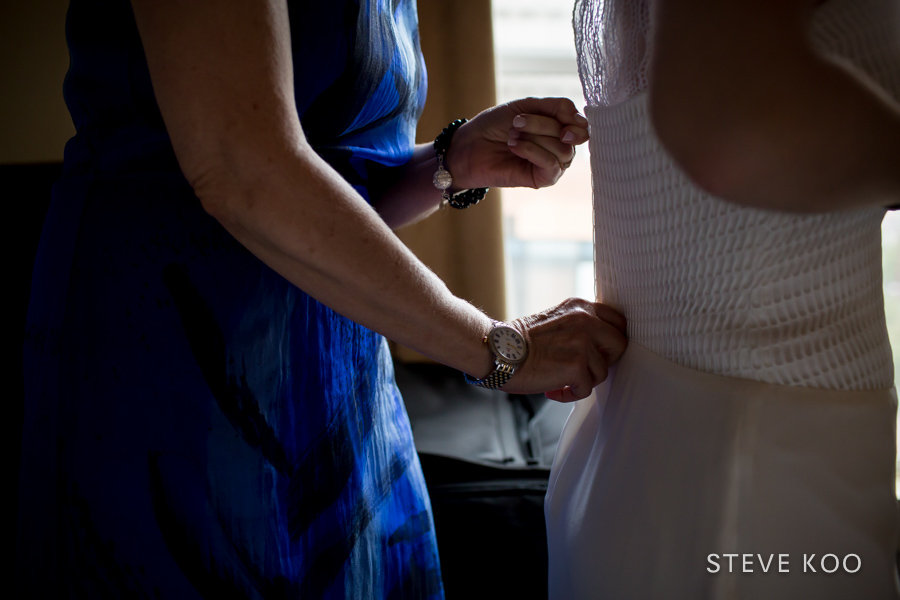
(754, 115)
(222, 76)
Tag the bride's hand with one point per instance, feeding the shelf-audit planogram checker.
(524, 143)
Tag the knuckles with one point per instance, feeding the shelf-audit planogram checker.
(578, 304)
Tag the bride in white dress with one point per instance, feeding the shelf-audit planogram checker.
(744, 446)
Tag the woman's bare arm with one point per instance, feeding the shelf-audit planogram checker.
(222, 75)
(755, 116)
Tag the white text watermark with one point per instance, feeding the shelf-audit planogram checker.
(781, 563)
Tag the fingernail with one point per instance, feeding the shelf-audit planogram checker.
(568, 137)
(519, 121)
(512, 142)
(580, 118)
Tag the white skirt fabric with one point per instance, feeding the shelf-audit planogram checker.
(666, 471)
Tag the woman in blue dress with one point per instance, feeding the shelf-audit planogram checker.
(211, 409)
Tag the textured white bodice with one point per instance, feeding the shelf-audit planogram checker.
(768, 296)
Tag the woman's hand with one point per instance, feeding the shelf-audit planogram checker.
(524, 143)
(570, 348)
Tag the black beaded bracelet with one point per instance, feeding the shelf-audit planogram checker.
(443, 180)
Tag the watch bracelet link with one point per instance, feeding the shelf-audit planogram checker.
(500, 375)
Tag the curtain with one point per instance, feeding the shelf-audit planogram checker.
(463, 247)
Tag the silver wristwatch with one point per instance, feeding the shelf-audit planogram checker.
(510, 350)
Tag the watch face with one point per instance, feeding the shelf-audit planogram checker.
(508, 344)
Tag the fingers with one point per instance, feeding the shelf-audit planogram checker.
(607, 333)
(550, 118)
(546, 143)
(539, 125)
(559, 149)
(610, 315)
(596, 373)
(560, 109)
(546, 160)
(610, 343)
(562, 395)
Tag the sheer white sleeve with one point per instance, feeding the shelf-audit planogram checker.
(613, 41)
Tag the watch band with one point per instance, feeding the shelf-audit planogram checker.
(500, 375)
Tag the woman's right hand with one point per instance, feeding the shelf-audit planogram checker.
(570, 349)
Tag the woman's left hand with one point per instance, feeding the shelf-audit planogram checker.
(523, 143)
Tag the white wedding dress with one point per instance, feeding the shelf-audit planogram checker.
(753, 412)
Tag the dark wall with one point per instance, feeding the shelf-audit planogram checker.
(33, 60)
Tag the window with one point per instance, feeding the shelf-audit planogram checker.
(890, 256)
(548, 233)
(549, 249)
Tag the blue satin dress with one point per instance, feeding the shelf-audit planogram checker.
(196, 426)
